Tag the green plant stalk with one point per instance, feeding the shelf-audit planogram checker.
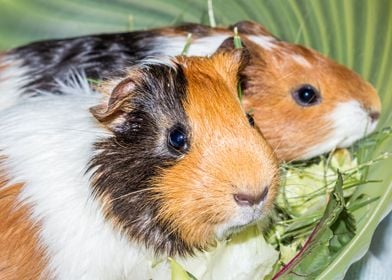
(188, 43)
(238, 45)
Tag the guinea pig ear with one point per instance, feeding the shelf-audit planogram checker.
(227, 45)
(117, 105)
(229, 63)
(254, 50)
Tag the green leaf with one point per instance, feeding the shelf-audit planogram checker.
(314, 262)
(178, 273)
(343, 232)
(335, 229)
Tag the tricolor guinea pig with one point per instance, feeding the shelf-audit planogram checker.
(162, 163)
(304, 103)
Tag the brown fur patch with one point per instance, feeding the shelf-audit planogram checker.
(227, 155)
(21, 255)
(251, 28)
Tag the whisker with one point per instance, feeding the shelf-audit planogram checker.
(131, 193)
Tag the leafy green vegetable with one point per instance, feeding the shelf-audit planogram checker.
(305, 185)
(305, 191)
(178, 273)
(335, 229)
(246, 255)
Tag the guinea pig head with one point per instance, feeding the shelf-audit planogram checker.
(304, 103)
(184, 165)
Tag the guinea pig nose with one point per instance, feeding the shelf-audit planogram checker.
(244, 199)
(374, 115)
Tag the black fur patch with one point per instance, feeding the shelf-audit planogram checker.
(126, 162)
(98, 56)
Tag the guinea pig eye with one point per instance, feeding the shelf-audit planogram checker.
(250, 119)
(177, 139)
(306, 95)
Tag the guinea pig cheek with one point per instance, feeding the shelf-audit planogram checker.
(189, 204)
(348, 122)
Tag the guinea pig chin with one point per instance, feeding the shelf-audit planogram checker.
(349, 122)
(243, 217)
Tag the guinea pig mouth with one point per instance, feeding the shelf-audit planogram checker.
(239, 222)
(350, 122)
(350, 139)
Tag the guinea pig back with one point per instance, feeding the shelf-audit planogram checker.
(163, 163)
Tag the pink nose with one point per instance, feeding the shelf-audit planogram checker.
(244, 199)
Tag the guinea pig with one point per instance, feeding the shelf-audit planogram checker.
(304, 103)
(162, 162)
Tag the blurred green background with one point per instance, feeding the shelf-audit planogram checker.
(357, 33)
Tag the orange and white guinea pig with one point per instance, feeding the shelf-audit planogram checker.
(92, 186)
(304, 103)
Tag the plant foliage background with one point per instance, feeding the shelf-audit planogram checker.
(357, 33)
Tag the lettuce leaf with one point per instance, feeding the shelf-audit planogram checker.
(246, 255)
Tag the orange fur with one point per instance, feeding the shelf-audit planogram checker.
(19, 243)
(198, 191)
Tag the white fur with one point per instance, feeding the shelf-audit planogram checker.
(350, 122)
(205, 46)
(244, 215)
(165, 60)
(12, 79)
(49, 149)
(266, 42)
(173, 46)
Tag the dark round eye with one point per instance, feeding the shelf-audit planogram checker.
(306, 95)
(250, 119)
(177, 139)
